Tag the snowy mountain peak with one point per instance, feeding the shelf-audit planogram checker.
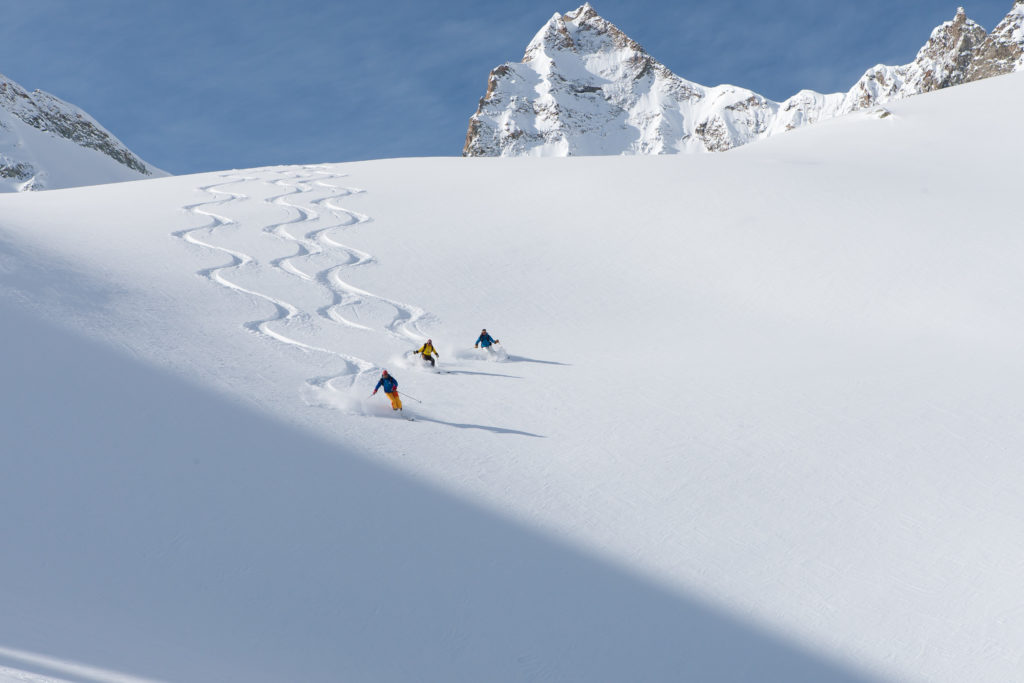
(586, 17)
(46, 143)
(584, 87)
(582, 13)
(946, 57)
(553, 36)
(582, 31)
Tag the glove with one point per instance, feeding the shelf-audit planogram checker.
(374, 392)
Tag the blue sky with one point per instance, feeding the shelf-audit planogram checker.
(218, 84)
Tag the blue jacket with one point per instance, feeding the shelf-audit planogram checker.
(389, 383)
(485, 340)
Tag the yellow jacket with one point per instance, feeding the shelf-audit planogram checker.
(428, 350)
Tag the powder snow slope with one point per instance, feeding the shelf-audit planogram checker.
(759, 420)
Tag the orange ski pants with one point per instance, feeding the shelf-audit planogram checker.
(396, 402)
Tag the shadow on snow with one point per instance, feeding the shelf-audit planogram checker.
(485, 374)
(496, 430)
(156, 528)
(524, 359)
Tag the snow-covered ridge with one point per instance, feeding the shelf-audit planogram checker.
(47, 143)
(958, 51)
(585, 88)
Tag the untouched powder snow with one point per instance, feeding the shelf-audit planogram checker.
(759, 417)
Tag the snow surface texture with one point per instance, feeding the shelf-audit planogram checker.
(759, 417)
(46, 143)
(585, 88)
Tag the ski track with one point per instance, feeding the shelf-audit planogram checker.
(406, 323)
(310, 243)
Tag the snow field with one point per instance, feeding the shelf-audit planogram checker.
(759, 412)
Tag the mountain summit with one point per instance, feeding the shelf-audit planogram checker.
(47, 143)
(585, 88)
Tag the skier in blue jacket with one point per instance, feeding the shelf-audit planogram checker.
(390, 386)
(484, 340)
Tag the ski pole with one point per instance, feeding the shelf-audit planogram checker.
(408, 396)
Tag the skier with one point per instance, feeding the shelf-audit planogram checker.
(484, 340)
(390, 385)
(428, 352)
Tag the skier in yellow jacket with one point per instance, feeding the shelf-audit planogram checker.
(428, 352)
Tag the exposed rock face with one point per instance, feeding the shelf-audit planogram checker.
(23, 115)
(584, 87)
(1003, 50)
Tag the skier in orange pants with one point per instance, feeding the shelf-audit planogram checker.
(390, 386)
